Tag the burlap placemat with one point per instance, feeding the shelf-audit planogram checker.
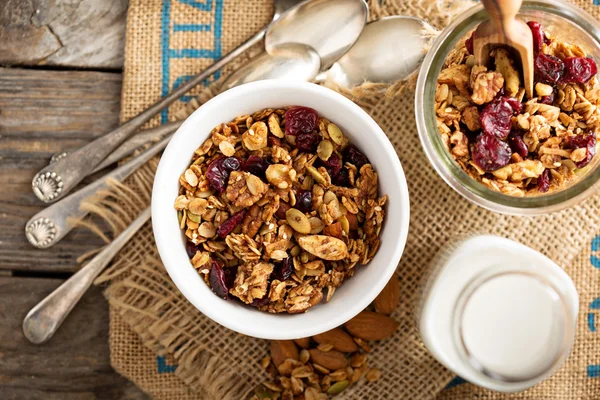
(163, 344)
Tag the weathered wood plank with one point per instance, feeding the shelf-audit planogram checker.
(43, 112)
(72, 33)
(74, 364)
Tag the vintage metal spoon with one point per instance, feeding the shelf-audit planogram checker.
(49, 226)
(329, 26)
(45, 318)
(388, 49)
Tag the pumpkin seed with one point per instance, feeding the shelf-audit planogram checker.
(297, 220)
(324, 150)
(345, 224)
(316, 225)
(263, 393)
(316, 174)
(335, 134)
(194, 217)
(337, 387)
(274, 125)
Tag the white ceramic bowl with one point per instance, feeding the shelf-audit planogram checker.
(356, 293)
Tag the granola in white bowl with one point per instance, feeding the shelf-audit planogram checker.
(278, 209)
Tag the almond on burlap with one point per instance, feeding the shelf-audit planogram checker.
(370, 325)
(331, 360)
(339, 339)
(281, 350)
(387, 301)
(304, 342)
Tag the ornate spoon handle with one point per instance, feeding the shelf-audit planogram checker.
(52, 223)
(57, 179)
(45, 318)
(129, 146)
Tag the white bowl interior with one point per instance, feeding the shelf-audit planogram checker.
(356, 293)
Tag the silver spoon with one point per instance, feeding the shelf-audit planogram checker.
(345, 20)
(388, 50)
(45, 318)
(291, 61)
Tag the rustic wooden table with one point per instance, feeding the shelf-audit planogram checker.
(60, 83)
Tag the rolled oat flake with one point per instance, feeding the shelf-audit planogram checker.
(498, 313)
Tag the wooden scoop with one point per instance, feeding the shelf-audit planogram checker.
(503, 29)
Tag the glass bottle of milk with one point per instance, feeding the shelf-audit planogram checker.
(498, 313)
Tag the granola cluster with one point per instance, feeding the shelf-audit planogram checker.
(514, 145)
(278, 208)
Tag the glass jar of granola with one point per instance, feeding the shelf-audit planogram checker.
(514, 182)
(498, 313)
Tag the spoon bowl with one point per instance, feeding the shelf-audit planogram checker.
(290, 61)
(389, 49)
(330, 27)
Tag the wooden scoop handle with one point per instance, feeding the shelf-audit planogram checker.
(502, 12)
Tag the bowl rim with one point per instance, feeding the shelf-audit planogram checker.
(460, 181)
(163, 235)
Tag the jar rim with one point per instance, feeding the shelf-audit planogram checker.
(566, 332)
(438, 154)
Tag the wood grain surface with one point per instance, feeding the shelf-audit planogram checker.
(74, 364)
(41, 113)
(68, 33)
(62, 92)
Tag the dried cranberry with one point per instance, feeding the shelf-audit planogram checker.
(587, 141)
(539, 37)
(218, 171)
(543, 181)
(229, 225)
(218, 280)
(232, 163)
(514, 103)
(256, 166)
(517, 145)
(261, 302)
(230, 274)
(273, 140)
(496, 118)
(355, 157)
(469, 43)
(217, 175)
(190, 249)
(333, 165)
(308, 142)
(284, 270)
(579, 69)
(549, 99)
(300, 120)
(342, 179)
(303, 200)
(283, 207)
(549, 69)
(490, 153)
